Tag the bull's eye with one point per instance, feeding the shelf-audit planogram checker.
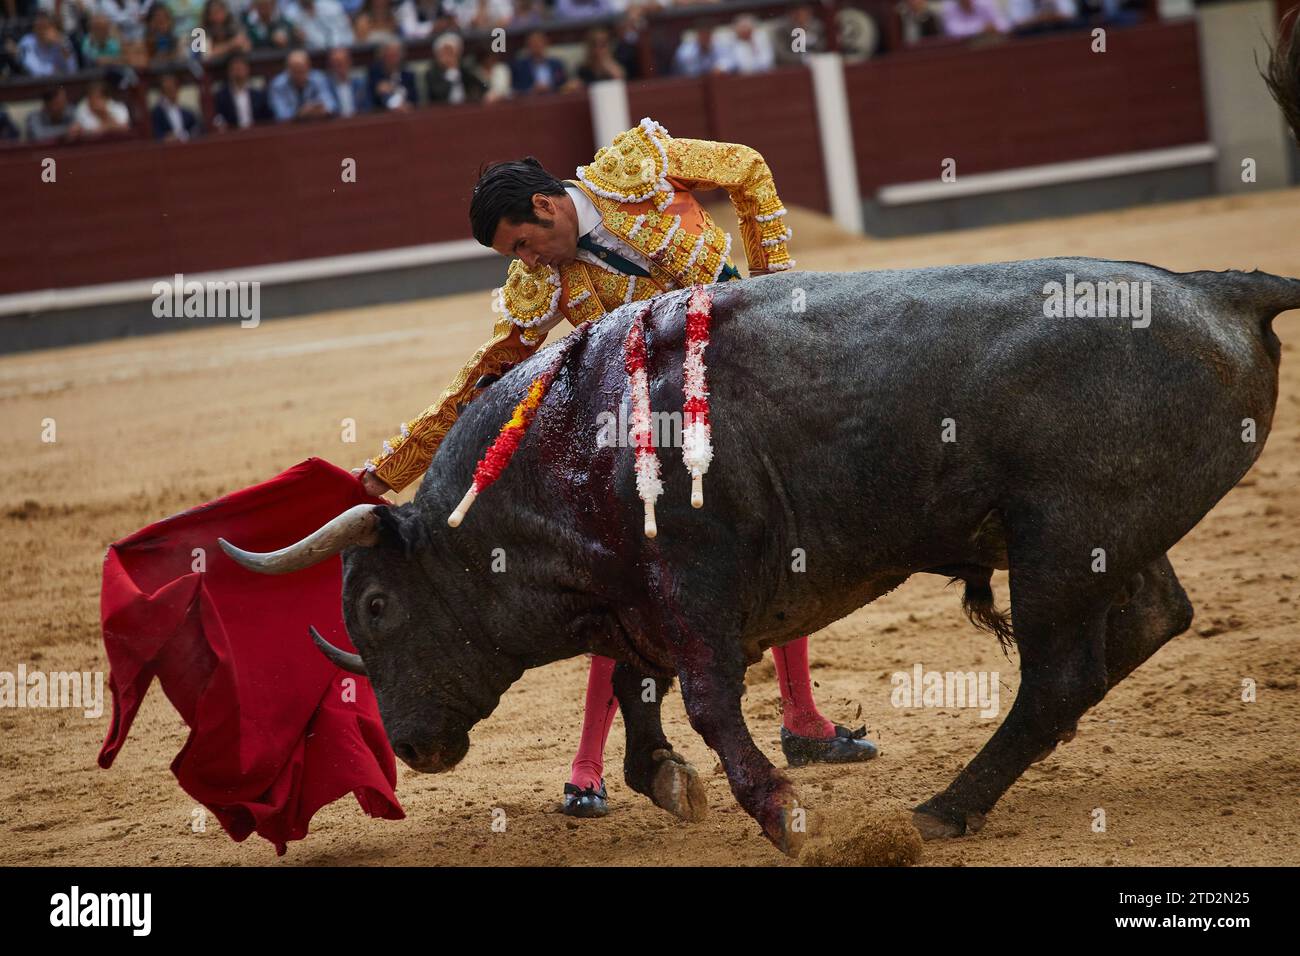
(375, 606)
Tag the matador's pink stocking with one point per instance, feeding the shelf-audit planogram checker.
(601, 706)
(799, 711)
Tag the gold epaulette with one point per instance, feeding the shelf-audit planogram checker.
(531, 297)
(633, 168)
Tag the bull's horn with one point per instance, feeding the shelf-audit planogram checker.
(357, 525)
(340, 658)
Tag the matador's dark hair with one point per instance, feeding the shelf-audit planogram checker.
(505, 191)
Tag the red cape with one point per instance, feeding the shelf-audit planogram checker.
(276, 730)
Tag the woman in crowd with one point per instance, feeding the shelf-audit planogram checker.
(377, 23)
(600, 63)
(225, 34)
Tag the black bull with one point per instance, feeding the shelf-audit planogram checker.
(885, 423)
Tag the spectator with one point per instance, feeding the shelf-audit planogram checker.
(529, 13)
(451, 80)
(1113, 12)
(267, 27)
(812, 39)
(45, 51)
(171, 121)
(701, 53)
(53, 120)
(582, 9)
(100, 46)
(628, 48)
(7, 128)
(918, 21)
(377, 24)
(1043, 16)
(969, 18)
(495, 69)
(600, 62)
(480, 14)
(97, 114)
(419, 19)
(536, 71)
(322, 24)
(223, 32)
(300, 93)
(350, 94)
(238, 103)
(391, 86)
(185, 18)
(160, 42)
(751, 50)
(66, 14)
(127, 17)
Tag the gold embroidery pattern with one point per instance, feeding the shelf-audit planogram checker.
(530, 296)
(406, 456)
(633, 167)
(744, 174)
(661, 238)
(582, 301)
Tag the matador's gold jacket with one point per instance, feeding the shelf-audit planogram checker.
(641, 185)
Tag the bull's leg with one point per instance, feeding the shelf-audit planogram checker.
(713, 679)
(1060, 627)
(1157, 610)
(650, 766)
(1152, 609)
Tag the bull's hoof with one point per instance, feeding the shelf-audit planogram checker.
(936, 828)
(787, 825)
(932, 826)
(678, 788)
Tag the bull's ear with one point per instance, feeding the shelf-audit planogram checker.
(400, 529)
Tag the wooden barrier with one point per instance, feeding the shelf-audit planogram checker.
(1025, 102)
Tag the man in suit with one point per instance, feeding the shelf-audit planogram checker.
(536, 71)
(300, 93)
(627, 228)
(451, 80)
(239, 104)
(170, 120)
(391, 86)
(351, 93)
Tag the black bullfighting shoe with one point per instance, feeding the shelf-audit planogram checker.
(588, 802)
(847, 746)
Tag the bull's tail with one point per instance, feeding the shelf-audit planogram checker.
(977, 602)
(1282, 73)
(1263, 295)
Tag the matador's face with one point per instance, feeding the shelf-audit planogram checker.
(551, 242)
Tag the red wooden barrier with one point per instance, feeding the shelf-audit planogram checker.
(1025, 102)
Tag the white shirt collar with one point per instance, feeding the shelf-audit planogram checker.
(588, 214)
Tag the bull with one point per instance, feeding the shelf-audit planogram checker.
(834, 427)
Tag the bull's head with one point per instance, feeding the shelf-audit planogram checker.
(432, 675)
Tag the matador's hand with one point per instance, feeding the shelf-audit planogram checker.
(373, 484)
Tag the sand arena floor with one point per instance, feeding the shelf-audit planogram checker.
(1186, 772)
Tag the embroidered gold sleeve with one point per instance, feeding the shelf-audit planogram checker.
(743, 173)
(406, 456)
